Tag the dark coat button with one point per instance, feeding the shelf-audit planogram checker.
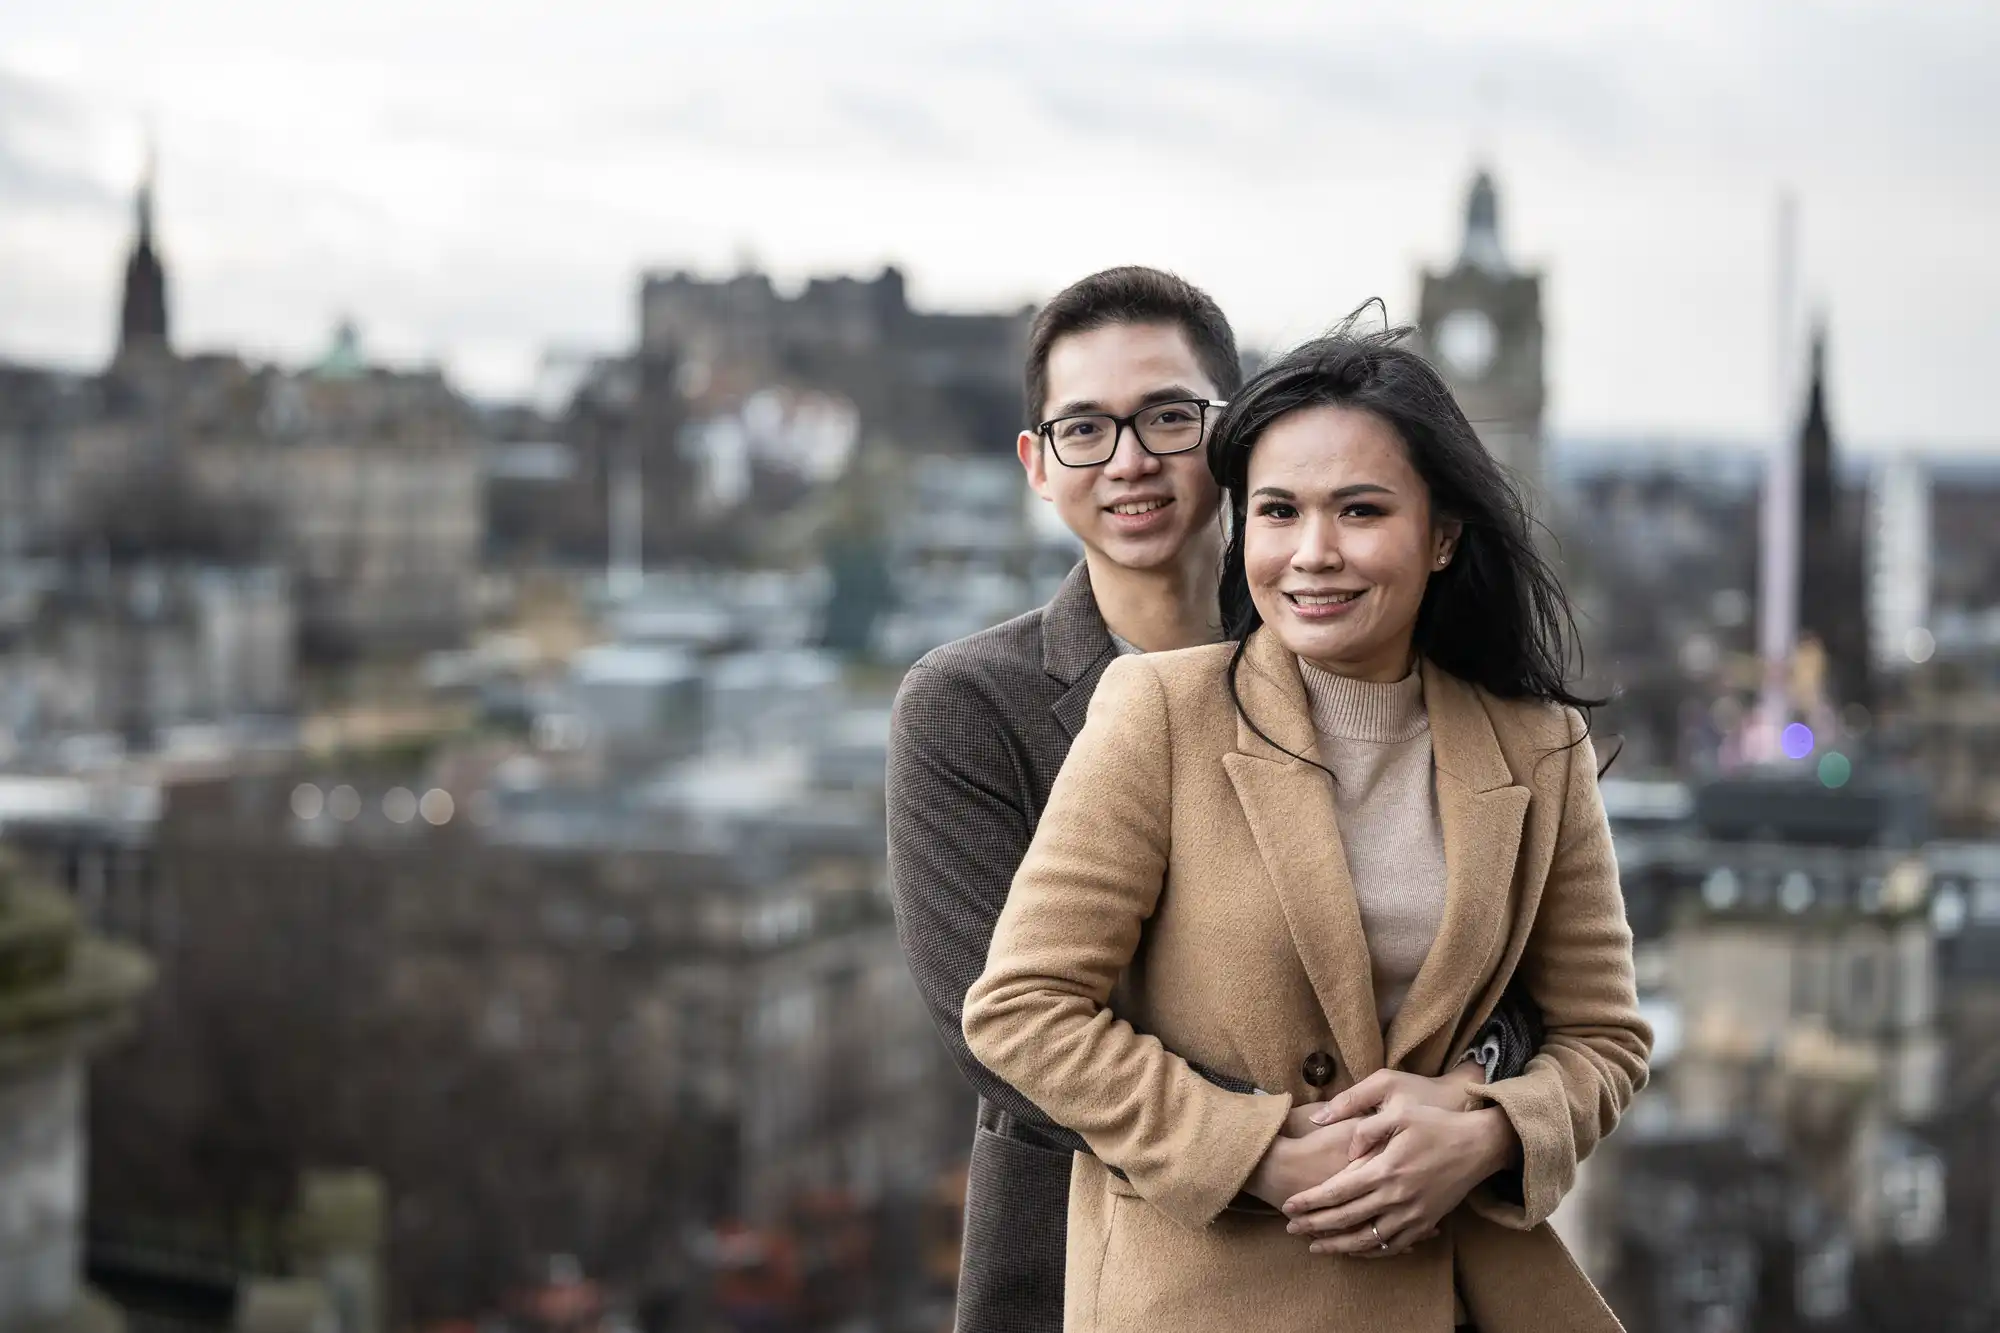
(1317, 1069)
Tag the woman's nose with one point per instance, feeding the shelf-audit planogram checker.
(1318, 548)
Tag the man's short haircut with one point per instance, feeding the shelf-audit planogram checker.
(1132, 295)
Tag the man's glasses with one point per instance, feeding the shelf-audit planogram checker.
(1163, 428)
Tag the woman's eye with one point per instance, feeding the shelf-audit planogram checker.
(1362, 511)
(1276, 509)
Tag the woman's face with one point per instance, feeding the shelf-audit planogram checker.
(1339, 541)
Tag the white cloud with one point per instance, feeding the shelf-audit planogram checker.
(475, 182)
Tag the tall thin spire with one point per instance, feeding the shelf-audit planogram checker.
(1833, 598)
(1482, 226)
(144, 201)
(142, 317)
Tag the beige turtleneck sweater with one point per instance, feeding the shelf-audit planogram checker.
(1377, 740)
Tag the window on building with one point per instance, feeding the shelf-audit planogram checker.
(1913, 1199)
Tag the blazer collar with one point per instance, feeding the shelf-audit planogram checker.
(1290, 807)
(1076, 646)
(1483, 812)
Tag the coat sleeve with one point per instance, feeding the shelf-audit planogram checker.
(1577, 966)
(1038, 1015)
(956, 835)
(957, 832)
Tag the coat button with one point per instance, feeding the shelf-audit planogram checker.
(1317, 1069)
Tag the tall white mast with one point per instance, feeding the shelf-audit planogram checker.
(1778, 558)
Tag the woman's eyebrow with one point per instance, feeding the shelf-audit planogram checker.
(1344, 493)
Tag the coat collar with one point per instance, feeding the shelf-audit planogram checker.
(1076, 646)
(1289, 803)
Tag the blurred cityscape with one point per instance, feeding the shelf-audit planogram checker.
(449, 833)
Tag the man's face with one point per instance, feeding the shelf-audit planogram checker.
(1136, 509)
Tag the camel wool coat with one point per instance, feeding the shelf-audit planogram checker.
(1202, 865)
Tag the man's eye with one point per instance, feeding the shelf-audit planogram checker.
(1077, 430)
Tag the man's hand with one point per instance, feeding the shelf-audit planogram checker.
(1391, 1090)
(1411, 1165)
(1292, 1164)
(1303, 1120)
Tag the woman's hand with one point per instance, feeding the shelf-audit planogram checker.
(1392, 1089)
(1411, 1165)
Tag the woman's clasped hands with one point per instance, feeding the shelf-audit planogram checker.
(1374, 1170)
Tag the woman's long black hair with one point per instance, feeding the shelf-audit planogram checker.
(1496, 617)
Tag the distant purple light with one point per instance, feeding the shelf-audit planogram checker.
(1797, 741)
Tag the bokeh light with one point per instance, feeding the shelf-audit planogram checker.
(1796, 741)
(307, 801)
(343, 802)
(1834, 769)
(1919, 644)
(400, 805)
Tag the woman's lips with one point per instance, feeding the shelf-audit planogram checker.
(1324, 606)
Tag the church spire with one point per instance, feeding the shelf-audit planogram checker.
(144, 202)
(142, 317)
(1833, 602)
(1482, 227)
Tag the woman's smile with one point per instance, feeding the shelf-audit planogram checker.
(1324, 605)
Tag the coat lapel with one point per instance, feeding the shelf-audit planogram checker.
(1289, 805)
(1483, 812)
(1076, 647)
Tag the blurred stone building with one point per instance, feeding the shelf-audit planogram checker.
(1818, 1147)
(657, 1029)
(1481, 323)
(373, 481)
(361, 484)
(135, 650)
(1940, 676)
(39, 412)
(934, 382)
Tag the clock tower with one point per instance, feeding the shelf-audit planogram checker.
(1481, 322)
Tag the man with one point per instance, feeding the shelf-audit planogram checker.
(982, 725)
(1126, 370)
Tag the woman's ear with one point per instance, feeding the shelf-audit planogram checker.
(1448, 532)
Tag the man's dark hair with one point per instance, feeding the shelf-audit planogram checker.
(1132, 295)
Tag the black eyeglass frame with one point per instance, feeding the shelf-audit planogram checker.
(1047, 429)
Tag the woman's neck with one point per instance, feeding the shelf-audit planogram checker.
(1383, 668)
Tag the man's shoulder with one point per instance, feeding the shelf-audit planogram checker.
(1003, 657)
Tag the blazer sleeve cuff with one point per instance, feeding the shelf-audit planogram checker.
(1538, 1110)
(1194, 1186)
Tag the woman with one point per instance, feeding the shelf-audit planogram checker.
(1313, 857)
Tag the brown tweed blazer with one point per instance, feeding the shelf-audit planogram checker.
(981, 729)
(1181, 846)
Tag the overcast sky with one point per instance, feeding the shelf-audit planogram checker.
(477, 182)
